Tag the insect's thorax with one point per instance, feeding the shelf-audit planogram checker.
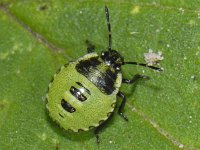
(99, 73)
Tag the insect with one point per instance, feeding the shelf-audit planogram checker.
(84, 92)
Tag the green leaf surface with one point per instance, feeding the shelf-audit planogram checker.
(37, 37)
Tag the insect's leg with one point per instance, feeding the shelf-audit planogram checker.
(134, 79)
(90, 47)
(102, 125)
(121, 95)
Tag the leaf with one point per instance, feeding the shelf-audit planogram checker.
(37, 37)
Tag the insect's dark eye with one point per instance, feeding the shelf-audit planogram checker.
(77, 94)
(65, 105)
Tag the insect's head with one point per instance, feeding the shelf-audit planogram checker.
(112, 58)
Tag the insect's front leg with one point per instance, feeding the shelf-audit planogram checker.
(134, 79)
(90, 46)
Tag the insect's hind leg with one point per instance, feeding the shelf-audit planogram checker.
(100, 127)
(90, 46)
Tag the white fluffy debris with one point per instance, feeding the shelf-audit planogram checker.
(152, 58)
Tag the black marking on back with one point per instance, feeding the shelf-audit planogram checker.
(77, 94)
(61, 115)
(84, 66)
(113, 105)
(66, 106)
(101, 121)
(80, 130)
(109, 114)
(58, 70)
(104, 80)
(88, 91)
(91, 127)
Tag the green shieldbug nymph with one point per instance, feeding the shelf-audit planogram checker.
(83, 93)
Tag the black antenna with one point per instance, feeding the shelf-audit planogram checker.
(109, 29)
(144, 65)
